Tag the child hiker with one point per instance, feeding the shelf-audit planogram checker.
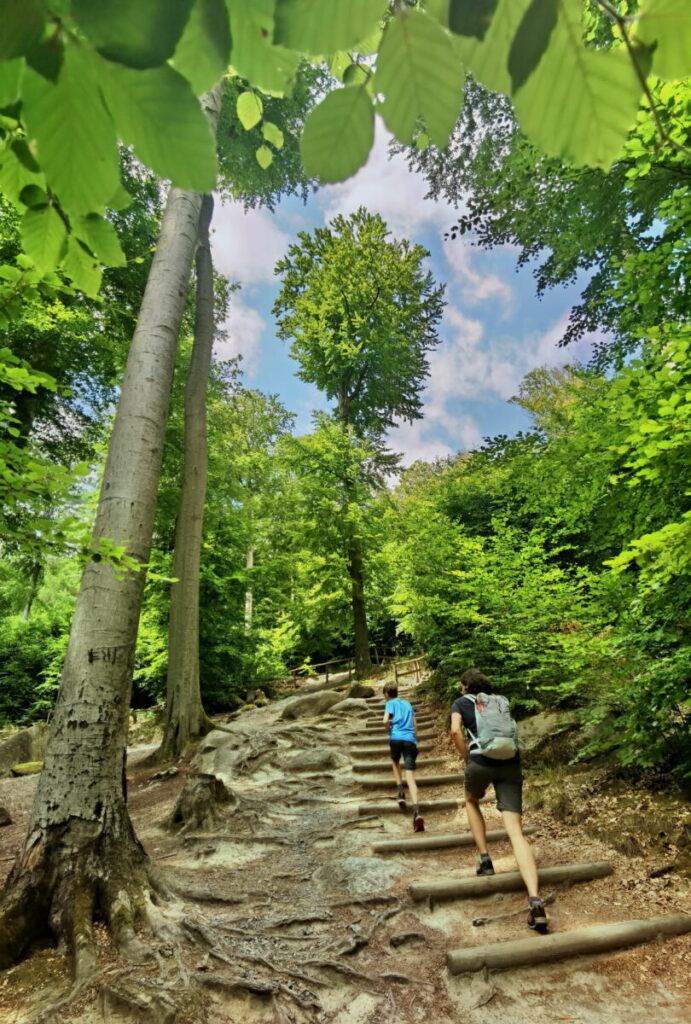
(400, 718)
(490, 727)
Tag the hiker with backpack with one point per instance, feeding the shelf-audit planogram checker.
(492, 755)
(399, 717)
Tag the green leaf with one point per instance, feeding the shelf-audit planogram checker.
(421, 77)
(81, 268)
(73, 132)
(14, 174)
(139, 33)
(666, 25)
(471, 17)
(488, 59)
(269, 68)
(43, 233)
(22, 25)
(273, 134)
(322, 26)
(579, 103)
(264, 157)
(338, 134)
(203, 51)
(10, 73)
(531, 40)
(356, 74)
(33, 195)
(249, 109)
(158, 114)
(102, 238)
(120, 199)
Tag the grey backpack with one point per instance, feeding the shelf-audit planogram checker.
(497, 733)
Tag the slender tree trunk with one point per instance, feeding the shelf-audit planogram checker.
(249, 593)
(185, 716)
(363, 662)
(80, 857)
(34, 583)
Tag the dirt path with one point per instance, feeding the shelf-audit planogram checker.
(309, 926)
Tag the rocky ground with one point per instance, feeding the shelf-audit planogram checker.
(298, 922)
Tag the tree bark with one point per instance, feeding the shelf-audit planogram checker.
(185, 716)
(249, 593)
(363, 662)
(80, 857)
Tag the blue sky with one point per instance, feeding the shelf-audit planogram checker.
(493, 332)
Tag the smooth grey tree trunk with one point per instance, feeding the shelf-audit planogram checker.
(185, 716)
(249, 593)
(363, 661)
(80, 857)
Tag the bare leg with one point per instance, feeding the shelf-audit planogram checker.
(522, 851)
(397, 774)
(476, 822)
(412, 786)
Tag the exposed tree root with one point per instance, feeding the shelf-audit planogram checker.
(69, 875)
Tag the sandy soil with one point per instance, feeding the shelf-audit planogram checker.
(306, 925)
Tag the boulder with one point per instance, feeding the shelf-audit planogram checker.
(313, 704)
(350, 706)
(5, 818)
(549, 737)
(26, 745)
(360, 690)
(28, 768)
(357, 875)
(318, 760)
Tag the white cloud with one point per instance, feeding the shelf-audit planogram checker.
(244, 327)
(475, 286)
(389, 188)
(246, 245)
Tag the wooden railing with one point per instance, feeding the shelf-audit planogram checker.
(416, 670)
(345, 663)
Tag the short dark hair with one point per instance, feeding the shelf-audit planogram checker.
(391, 691)
(475, 681)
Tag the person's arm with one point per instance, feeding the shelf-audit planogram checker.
(387, 717)
(458, 736)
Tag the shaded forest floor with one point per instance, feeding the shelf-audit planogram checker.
(304, 924)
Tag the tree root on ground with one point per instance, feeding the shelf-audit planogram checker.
(66, 877)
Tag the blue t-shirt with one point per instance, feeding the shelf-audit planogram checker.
(402, 721)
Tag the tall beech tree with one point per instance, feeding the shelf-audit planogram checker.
(80, 856)
(185, 717)
(362, 315)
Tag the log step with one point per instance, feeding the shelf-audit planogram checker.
(373, 751)
(506, 881)
(452, 779)
(376, 723)
(362, 737)
(441, 842)
(599, 938)
(373, 766)
(391, 807)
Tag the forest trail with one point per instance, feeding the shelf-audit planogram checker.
(320, 909)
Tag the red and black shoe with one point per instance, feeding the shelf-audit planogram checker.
(418, 820)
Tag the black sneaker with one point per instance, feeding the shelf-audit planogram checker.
(537, 915)
(400, 796)
(484, 865)
(418, 820)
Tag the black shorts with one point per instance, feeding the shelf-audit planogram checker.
(507, 780)
(407, 749)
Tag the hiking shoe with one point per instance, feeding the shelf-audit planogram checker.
(418, 820)
(537, 915)
(400, 796)
(484, 865)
